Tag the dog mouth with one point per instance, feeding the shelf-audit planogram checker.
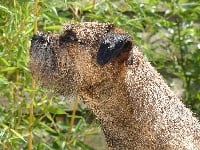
(42, 56)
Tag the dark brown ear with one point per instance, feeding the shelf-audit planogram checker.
(112, 46)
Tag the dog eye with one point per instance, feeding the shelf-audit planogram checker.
(68, 36)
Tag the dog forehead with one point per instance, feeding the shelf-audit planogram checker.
(88, 31)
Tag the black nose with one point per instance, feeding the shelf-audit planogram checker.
(37, 37)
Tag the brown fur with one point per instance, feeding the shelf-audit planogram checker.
(136, 108)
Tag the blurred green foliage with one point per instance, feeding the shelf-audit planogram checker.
(167, 31)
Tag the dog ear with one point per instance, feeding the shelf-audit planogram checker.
(112, 46)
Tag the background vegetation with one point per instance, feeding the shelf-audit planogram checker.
(32, 118)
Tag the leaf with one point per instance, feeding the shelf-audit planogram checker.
(18, 135)
(4, 62)
(3, 81)
(55, 110)
(55, 27)
(5, 9)
(9, 69)
(83, 145)
(48, 128)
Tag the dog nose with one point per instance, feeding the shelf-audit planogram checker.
(37, 37)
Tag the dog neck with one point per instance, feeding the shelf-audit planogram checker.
(140, 109)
